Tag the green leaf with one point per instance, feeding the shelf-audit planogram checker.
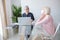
(16, 11)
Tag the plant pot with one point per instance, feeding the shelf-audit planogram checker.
(14, 19)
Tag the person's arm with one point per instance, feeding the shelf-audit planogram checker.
(32, 17)
(42, 21)
(41, 17)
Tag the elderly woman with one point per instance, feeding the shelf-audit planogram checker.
(46, 22)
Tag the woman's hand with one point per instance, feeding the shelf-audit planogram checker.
(37, 23)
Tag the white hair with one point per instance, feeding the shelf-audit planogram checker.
(27, 7)
(47, 10)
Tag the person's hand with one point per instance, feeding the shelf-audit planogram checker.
(36, 24)
(33, 23)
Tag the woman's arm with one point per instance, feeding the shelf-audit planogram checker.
(43, 20)
(41, 17)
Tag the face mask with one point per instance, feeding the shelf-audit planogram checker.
(42, 11)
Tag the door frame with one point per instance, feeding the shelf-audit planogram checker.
(4, 19)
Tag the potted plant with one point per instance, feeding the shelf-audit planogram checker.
(16, 13)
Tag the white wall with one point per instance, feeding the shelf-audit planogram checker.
(16, 2)
(36, 6)
(0, 18)
(1, 33)
(8, 11)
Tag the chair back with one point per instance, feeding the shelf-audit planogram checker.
(57, 28)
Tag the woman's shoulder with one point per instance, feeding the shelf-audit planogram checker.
(48, 15)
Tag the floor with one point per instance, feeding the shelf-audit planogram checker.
(16, 37)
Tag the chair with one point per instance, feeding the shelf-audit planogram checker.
(51, 37)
